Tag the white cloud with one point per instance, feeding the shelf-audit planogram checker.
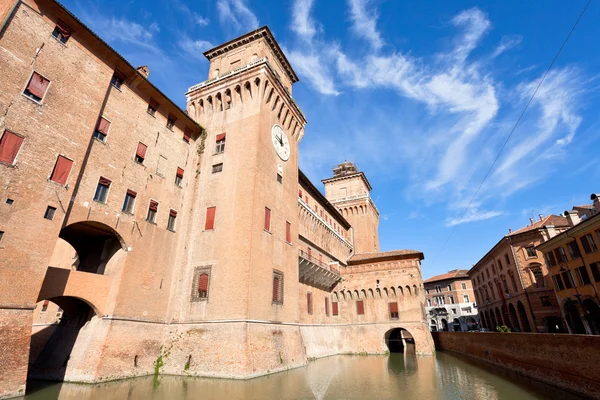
(364, 22)
(236, 14)
(302, 23)
(506, 43)
(473, 215)
(195, 48)
(200, 20)
(311, 66)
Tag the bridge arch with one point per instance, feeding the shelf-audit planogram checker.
(398, 340)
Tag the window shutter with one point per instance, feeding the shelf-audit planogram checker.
(153, 104)
(173, 213)
(153, 205)
(334, 308)
(61, 170)
(141, 150)
(220, 136)
(276, 288)
(393, 307)
(180, 172)
(131, 193)
(360, 307)
(103, 181)
(9, 147)
(300, 193)
(288, 232)
(267, 219)
(203, 283)
(64, 29)
(210, 218)
(103, 126)
(187, 134)
(37, 85)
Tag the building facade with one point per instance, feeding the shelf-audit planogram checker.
(511, 282)
(574, 267)
(177, 241)
(450, 302)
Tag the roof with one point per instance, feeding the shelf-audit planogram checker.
(316, 193)
(455, 274)
(555, 220)
(384, 256)
(263, 32)
(586, 206)
(361, 174)
(577, 229)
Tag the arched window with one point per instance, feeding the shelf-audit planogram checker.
(203, 286)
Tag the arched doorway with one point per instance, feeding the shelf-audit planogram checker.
(493, 320)
(471, 324)
(444, 325)
(573, 318)
(498, 317)
(513, 318)
(434, 326)
(95, 244)
(456, 325)
(505, 317)
(399, 340)
(62, 345)
(523, 315)
(592, 315)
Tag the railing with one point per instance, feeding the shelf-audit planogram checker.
(324, 222)
(310, 258)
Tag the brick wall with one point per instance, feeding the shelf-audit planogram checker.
(566, 361)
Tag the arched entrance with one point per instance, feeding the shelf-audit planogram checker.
(95, 243)
(61, 345)
(456, 325)
(471, 324)
(434, 326)
(493, 320)
(523, 315)
(592, 315)
(399, 340)
(573, 318)
(513, 318)
(498, 317)
(444, 325)
(505, 317)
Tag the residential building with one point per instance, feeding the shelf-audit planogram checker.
(450, 302)
(511, 281)
(574, 266)
(185, 236)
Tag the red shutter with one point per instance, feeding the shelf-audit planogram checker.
(393, 307)
(203, 283)
(103, 181)
(327, 306)
(288, 232)
(153, 205)
(220, 137)
(141, 150)
(187, 134)
(38, 85)
(131, 193)
(334, 307)
(306, 199)
(103, 126)
(300, 193)
(210, 218)
(276, 289)
(360, 307)
(153, 104)
(173, 213)
(64, 29)
(61, 170)
(180, 172)
(309, 302)
(267, 219)
(9, 147)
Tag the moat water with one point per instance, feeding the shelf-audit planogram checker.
(397, 376)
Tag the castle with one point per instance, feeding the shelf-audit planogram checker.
(177, 241)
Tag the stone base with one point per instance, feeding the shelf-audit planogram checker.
(15, 333)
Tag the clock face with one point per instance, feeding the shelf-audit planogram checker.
(280, 142)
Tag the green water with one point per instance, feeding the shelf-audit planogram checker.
(397, 376)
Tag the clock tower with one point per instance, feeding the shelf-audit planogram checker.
(247, 175)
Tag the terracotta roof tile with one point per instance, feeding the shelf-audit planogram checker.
(384, 254)
(588, 206)
(458, 273)
(555, 220)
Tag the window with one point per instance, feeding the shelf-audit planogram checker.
(1, 234)
(465, 298)
(171, 119)
(449, 288)
(102, 190)
(61, 32)
(327, 306)
(589, 246)
(45, 306)
(61, 170)
(550, 260)
(267, 226)
(300, 193)
(187, 134)
(172, 219)
(538, 276)
(217, 168)
(584, 277)
(210, 218)
(9, 202)
(438, 288)
(140, 153)
(277, 287)
(152, 211)
(220, 144)
(595, 271)
(428, 302)
(101, 130)
(360, 307)
(393, 310)
(203, 286)
(451, 299)
(530, 251)
(152, 107)
(499, 264)
(563, 254)
(507, 259)
(10, 143)
(573, 250)
(567, 279)
(37, 87)
(454, 311)
(117, 80)
(309, 307)
(426, 291)
(201, 283)
(179, 177)
(545, 300)
(279, 178)
(463, 285)
(49, 214)
(334, 308)
(288, 232)
(129, 201)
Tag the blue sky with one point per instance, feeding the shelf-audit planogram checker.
(421, 95)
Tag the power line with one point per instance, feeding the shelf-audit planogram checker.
(512, 131)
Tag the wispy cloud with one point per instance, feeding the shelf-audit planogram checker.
(236, 14)
(473, 215)
(506, 43)
(364, 22)
(302, 23)
(195, 48)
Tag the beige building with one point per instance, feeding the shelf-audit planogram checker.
(176, 241)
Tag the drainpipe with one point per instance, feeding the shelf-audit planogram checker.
(519, 269)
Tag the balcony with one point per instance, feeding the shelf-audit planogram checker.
(316, 273)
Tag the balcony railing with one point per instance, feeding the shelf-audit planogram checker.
(316, 273)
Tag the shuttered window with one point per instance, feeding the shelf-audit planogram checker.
(152, 211)
(334, 308)
(220, 143)
(267, 220)
(393, 310)
(102, 129)
(171, 119)
(187, 134)
(277, 287)
(10, 143)
(102, 190)
(62, 32)
(129, 201)
(152, 107)
(203, 286)
(61, 170)
(140, 153)
(300, 193)
(360, 307)
(37, 86)
(309, 307)
(288, 232)
(210, 218)
(171, 221)
(179, 177)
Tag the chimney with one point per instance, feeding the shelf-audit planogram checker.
(541, 216)
(549, 232)
(596, 198)
(572, 217)
(509, 230)
(144, 70)
(531, 220)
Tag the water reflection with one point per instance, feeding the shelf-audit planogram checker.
(340, 377)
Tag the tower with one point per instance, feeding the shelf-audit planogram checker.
(349, 191)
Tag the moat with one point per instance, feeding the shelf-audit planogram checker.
(396, 376)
